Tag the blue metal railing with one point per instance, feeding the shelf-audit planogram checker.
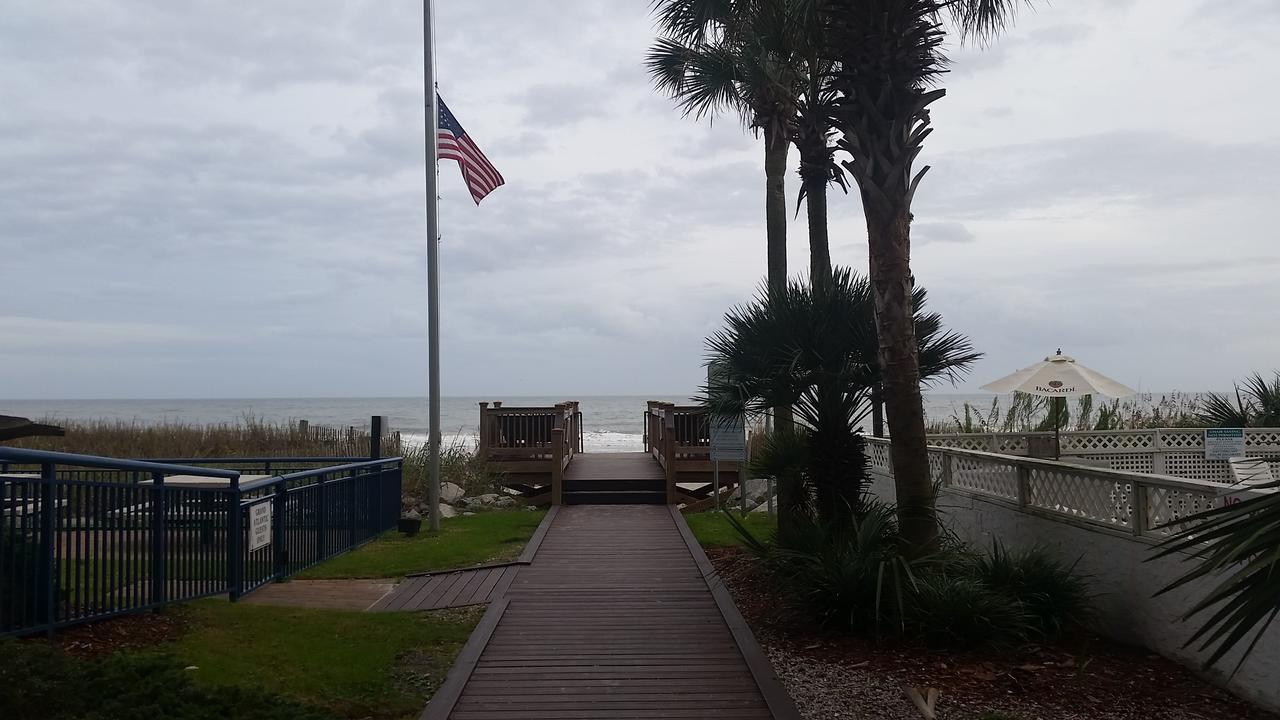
(85, 537)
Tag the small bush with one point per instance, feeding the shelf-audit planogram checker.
(853, 575)
(859, 577)
(1052, 593)
(954, 611)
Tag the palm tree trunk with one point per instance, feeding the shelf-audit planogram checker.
(776, 146)
(815, 194)
(889, 237)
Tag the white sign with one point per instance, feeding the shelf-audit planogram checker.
(728, 440)
(259, 526)
(1223, 443)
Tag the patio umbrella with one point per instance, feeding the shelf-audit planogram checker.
(1058, 377)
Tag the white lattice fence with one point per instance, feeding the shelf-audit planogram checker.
(1100, 497)
(1096, 498)
(1165, 451)
(984, 474)
(1167, 505)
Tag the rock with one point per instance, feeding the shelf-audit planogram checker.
(411, 514)
(762, 507)
(447, 511)
(451, 493)
(467, 513)
(486, 499)
(504, 502)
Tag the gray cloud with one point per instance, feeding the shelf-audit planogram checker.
(947, 232)
(227, 200)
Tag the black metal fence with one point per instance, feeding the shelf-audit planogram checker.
(85, 537)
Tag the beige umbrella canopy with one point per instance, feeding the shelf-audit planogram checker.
(1059, 376)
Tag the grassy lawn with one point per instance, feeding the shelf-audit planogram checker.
(465, 540)
(713, 531)
(356, 665)
(249, 662)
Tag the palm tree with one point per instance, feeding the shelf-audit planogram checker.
(813, 347)
(887, 57)
(728, 56)
(1237, 549)
(1257, 404)
(761, 60)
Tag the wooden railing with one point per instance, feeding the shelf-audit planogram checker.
(531, 440)
(679, 438)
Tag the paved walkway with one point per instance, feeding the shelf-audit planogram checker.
(618, 616)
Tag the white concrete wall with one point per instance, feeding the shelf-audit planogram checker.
(1123, 582)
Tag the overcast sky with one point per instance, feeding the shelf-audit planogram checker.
(215, 199)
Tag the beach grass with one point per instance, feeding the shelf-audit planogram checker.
(713, 531)
(250, 437)
(488, 536)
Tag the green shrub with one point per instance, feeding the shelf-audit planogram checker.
(1054, 595)
(852, 575)
(954, 611)
(859, 577)
(38, 681)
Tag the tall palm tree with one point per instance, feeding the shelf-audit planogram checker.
(728, 56)
(813, 347)
(887, 58)
(761, 60)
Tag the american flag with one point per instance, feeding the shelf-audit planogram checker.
(455, 144)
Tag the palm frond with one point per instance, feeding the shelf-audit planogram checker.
(1238, 545)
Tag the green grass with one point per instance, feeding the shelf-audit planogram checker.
(37, 680)
(464, 540)
(713, 531)
(356, 665)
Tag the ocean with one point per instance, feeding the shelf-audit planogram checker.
(611, 423)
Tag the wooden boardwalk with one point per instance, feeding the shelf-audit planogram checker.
(450, 589)
(618, 616)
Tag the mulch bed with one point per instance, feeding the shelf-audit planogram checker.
(128, 632)
(1087, 678)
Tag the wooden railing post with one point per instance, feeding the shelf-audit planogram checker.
(557, 465)
(561, 420)
(669, 450)
(1024, 486)
(1138, 501)
(1158, 454)
(482, 444)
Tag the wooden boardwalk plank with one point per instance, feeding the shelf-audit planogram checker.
(613, 619)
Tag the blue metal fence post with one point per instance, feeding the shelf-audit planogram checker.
(235, 529)
(159, 550)
(322, 519)
(351, 508)
(48, 517)
(281, 557)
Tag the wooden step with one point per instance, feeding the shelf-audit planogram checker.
(593, 484)
(615, 497)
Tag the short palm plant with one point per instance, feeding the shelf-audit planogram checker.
(1237, 547)
(813, 347)
(1256, 404)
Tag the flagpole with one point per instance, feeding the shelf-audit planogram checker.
(433, 270)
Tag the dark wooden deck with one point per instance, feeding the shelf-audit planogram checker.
(618, 616)
(451, 589)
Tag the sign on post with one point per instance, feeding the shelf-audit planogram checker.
(1223, 443)
(728, 440)
(259, 526)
